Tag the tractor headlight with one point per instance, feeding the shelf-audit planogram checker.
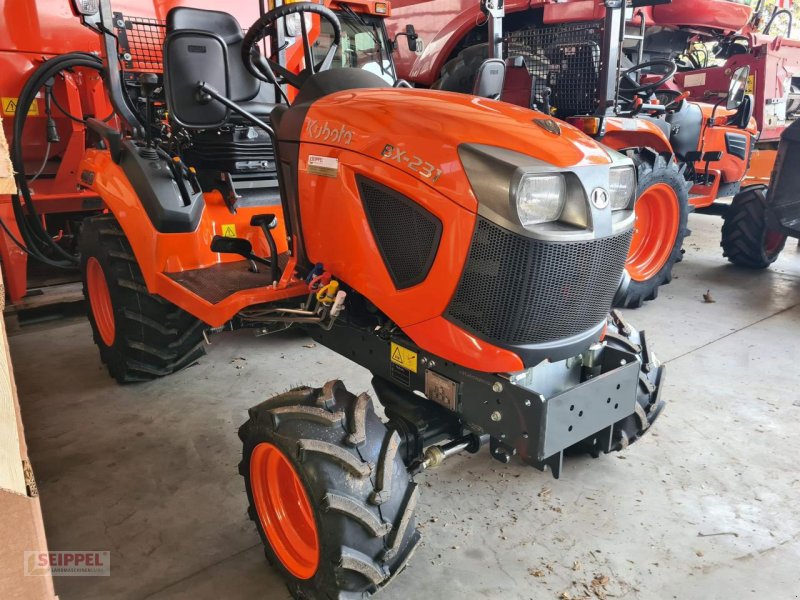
(622, 186)
(540, 198)
(86, 8)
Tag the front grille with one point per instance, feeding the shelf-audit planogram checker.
(564, 58)
(516, 290)
(407, 235)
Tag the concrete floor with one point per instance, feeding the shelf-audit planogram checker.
(704, 507)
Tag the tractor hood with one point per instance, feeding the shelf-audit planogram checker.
(422, 131)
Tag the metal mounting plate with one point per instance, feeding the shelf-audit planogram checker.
(589, 408)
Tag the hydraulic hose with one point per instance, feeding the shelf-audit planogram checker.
(781, 11)
(36, 240)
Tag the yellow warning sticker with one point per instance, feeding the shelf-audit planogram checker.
(751, 84)
(404, 357)
(9, 106)
(229, 230)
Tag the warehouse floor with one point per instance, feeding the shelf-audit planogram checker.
(704, 507)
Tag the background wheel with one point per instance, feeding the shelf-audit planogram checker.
(458, 74)
(662, 210)
(140, 335)
(328, 491)
(746, 241)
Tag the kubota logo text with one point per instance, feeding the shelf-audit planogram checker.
(338, 134)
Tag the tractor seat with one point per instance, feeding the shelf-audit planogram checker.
(244, 89)
(686, 124)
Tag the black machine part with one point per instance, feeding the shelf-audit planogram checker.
(783, 201)
(599, 401)
(167, 196)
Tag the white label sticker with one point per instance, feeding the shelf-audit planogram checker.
(326, 166)
(694, 80)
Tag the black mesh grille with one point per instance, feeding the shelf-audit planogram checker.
(517, 290)
(407, 235)
(564, 58)
(140, 42)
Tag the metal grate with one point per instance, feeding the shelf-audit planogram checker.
(564, 58)
(518, 290)
(140, 43)
(407, 235)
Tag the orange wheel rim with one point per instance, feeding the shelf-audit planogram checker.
(773, 241)
(284, 510)
(100, 301)
(657, 221)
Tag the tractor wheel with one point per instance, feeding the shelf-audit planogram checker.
(140, 335)
(662, 210)
(458, 74)
(746, 241)
(649, 406)
(328, 491)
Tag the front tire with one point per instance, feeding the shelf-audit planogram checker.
(338, 475)
(662, 211)
(648, 402)
(140, 335)
(746, 241)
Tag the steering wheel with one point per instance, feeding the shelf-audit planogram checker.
(268, 68)
(632, 87)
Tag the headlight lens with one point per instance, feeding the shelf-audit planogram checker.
(86, 7)
(540, 198)
(622, 185)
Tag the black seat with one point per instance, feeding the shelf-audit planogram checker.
(244, 89)
(744, 113)
(686, 125)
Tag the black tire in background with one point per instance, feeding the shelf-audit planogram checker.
(458, 74)
(657, 172)
(746, 240)
(356, 485)
(145, 336)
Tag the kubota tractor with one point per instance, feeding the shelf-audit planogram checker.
(582, 61)
(452, 245)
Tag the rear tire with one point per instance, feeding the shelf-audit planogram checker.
(746, 241)
(459, 73)
(140, 335)
(360, 497)
(662, 211)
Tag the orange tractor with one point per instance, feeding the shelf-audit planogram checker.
(584, 62)
(452, 245)
(52, 82)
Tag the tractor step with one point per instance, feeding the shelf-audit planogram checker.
(217, 282)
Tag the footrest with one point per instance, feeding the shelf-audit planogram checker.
(215, 283)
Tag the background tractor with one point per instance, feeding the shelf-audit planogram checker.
(709, 41)
(468, 259)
